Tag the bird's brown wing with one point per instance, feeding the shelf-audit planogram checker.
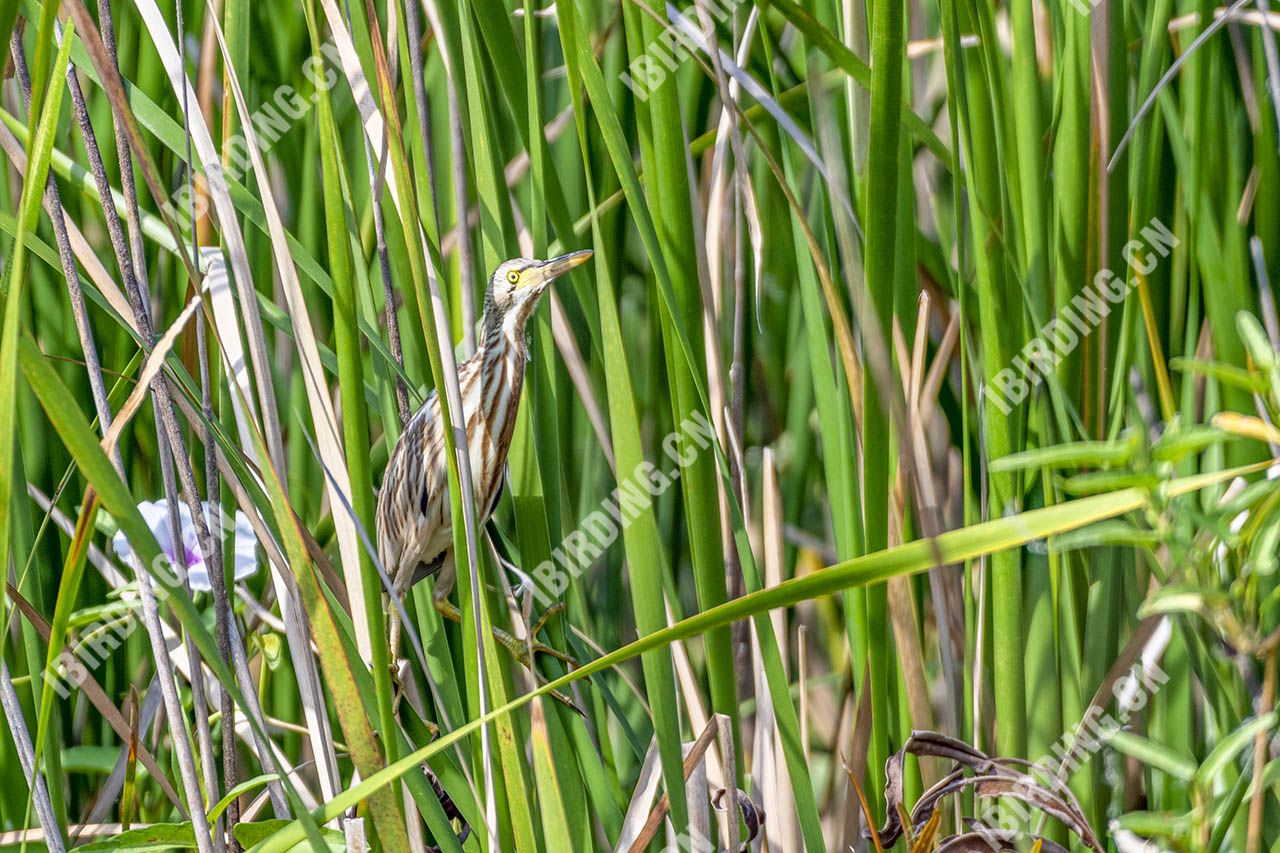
(413, 506)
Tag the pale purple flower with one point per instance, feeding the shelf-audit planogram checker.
(156, 515)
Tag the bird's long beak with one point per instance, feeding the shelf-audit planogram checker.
(549, 271)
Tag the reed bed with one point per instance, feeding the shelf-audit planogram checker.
(898, 474)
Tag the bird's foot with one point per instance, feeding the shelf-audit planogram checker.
(523, 582)
(397, 687)
(523, 651)
(399, 675)
(546, 616)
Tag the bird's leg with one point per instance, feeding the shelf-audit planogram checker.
(521, 651)
(393, 631)
(393, 646)
(524, 588)
(523, 583)
(399, 666)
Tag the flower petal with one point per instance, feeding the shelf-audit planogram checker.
(198, 577)
(156, 516)
(120, 544)
(246, 554)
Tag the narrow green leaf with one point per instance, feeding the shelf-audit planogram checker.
(964, 544)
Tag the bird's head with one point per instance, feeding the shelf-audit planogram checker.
(517, 284)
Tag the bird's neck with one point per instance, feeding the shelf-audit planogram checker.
(504, 334)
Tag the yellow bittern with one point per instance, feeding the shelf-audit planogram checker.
(414, 527)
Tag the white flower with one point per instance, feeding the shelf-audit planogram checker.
(156, 515)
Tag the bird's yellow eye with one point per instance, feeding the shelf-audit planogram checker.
(513, 277)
